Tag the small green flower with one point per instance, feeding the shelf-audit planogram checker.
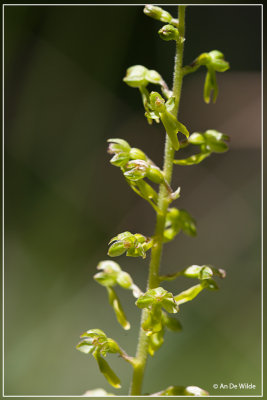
(159, 14)
(134, 245)
(168, 32)
(158, 297)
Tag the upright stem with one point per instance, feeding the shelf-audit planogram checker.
(163, 203)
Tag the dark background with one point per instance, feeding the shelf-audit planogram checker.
(64, 97)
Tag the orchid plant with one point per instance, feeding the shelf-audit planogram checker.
(157, 304)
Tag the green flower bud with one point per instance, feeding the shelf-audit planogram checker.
(105, 279)
(122, 236)
(118, 145)
(121, 149)
(124, 280)
(116, 249)
(155, 174)
(95, 340)
(157, 13)
(203, 59)
(168, 32)
(196, 271)
(153, 76)
(137, 154)
(157, 102)
(135, 245)
(139, 76)
(217, 61)
(215, 141)
(109, 267)
(196, 138)
(136, 76)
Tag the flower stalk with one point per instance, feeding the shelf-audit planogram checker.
(163, 203)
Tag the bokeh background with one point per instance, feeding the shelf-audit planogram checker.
(64, 97)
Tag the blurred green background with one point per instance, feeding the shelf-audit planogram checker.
(64, 97)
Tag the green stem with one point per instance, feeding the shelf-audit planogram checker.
(163, 203)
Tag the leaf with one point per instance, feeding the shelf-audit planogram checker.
(117, 307)
(108, 373)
